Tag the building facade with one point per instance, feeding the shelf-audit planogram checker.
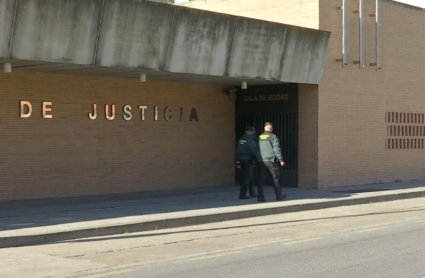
(368, 124)
(119, 96)
(76, 120)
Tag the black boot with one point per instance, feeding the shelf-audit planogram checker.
(282, 198)
(252, 194)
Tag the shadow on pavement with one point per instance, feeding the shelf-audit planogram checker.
(236, 227)
(38, 213)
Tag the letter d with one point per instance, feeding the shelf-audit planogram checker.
(24, 104)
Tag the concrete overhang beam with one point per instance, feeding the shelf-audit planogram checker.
(126, 37)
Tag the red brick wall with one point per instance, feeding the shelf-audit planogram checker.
(71, 155)
(353, 102)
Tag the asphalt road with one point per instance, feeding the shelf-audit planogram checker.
(385, 239)
(395, 250)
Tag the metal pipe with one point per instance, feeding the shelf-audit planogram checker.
(377, 17)
(99, 27)
(13, 29)
(361, 14)
(344, 33)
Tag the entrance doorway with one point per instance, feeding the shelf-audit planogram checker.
(277, 104)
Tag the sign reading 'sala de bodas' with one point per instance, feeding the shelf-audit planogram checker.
(273, 97)
(109, 111)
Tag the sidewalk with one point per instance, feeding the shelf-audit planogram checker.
(43, 221)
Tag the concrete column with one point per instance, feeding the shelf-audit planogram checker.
(308, 101)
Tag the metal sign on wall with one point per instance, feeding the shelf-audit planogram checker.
(110, 112)
(268, 98)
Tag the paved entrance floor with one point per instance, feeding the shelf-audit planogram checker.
(41, 221)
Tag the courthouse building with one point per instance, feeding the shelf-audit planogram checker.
(119, 96)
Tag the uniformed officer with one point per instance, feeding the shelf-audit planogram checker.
(269, 157)
(246, 150)
(256, 172)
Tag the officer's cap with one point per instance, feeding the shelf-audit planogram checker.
(267, 124)
(250, 128)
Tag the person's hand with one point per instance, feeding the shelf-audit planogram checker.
(238, 165)
(282, 163)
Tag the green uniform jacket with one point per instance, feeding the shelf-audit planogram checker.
(269, 148)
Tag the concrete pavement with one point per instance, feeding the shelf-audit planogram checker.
(36, 222)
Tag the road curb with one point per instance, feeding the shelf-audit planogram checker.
(18, 241)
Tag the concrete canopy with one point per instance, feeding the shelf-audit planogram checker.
(124, 38)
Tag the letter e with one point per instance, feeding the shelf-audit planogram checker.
(47, 109)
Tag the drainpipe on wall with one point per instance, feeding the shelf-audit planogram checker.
(344, 33)
(361, 12)
(378, 42)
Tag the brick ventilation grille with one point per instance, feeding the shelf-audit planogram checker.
(406, 130)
